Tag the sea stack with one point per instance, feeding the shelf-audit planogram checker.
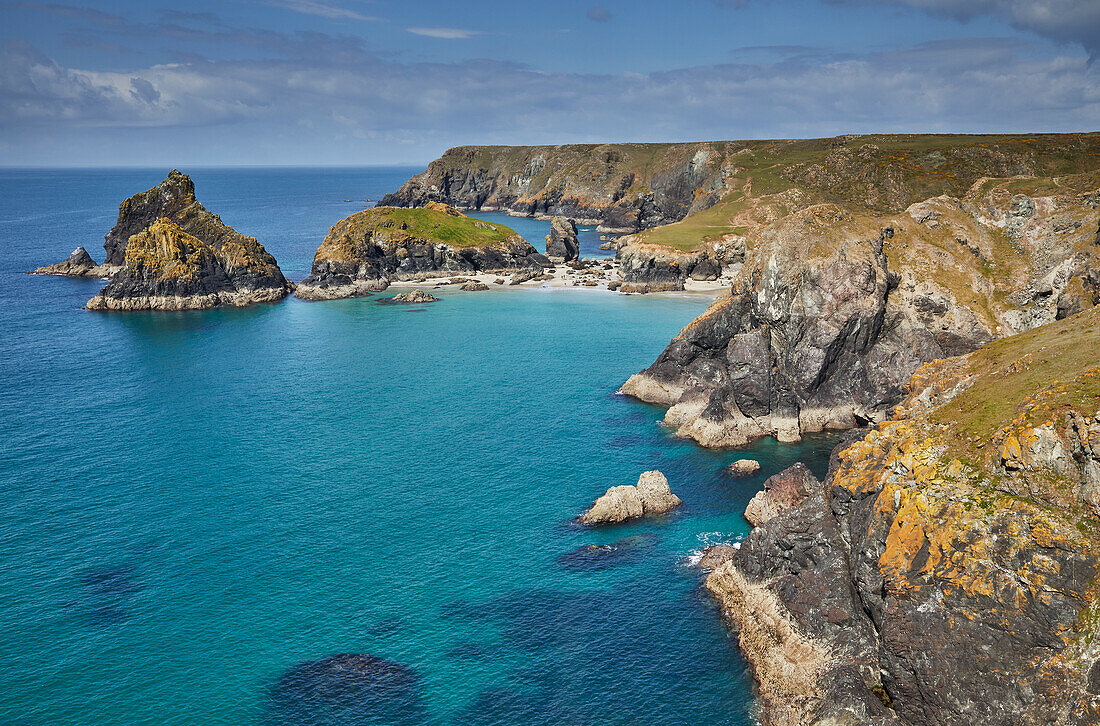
(170, 253)
(561, 243)
(651, 495)
(364, 252)
(77, 264)
(168, 269)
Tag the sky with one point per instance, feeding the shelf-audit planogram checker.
(360, 82)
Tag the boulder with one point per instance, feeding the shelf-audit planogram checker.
(715, 555)
(474, 286)
(651, 495)
(561, 243)
(743, 467)
(784, 490)
(412, 297)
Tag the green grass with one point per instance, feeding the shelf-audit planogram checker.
(429, 224)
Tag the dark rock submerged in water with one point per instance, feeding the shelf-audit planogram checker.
(346, 689)
(561, 243)
(596, 557)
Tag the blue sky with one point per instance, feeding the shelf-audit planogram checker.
(373, 82)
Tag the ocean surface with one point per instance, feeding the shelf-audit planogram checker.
(200, 510)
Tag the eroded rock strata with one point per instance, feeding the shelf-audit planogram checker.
(168, 269)
(833, 309)
(562, 244)
(363, 252)
(945, 572)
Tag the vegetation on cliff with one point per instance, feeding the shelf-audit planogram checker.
(954, 550)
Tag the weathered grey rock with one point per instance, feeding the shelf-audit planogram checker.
(651, 495)
(561, 243)
(474, 286)
(715, 555)
(781, 491)
(77, 264)
(743, 467)
(412, 297)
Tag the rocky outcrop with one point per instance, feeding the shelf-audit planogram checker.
(650, 496)
(363, 252)
(561, 243)
(743, 467)
(412, 297)
(474, 286)
(654, 268)
(945, 571)
(77, 264)
(833, 310)
(781, 491)
(168, 269)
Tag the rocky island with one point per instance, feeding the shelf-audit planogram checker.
(167, 252)
(363, 253)
(946, 570)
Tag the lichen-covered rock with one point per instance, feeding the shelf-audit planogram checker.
(781, 491)
(363, 252)
(651, 495)
(945, 573)
(561, 243)
(168, 269)
(77, 264)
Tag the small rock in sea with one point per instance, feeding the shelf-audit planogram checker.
(474, 286)
(651, 495)
(412, 297)
(743, 467)
(781, 491)
(715, 555)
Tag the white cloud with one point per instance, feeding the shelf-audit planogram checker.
(321, 9)
(445, 33)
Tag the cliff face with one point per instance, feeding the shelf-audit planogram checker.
(832, 310)
(165, 268)
(946, 572)
(621, 187)
(363, 252)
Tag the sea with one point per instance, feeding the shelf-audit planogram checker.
(339, 513)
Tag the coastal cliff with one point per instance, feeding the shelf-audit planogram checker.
(364, 252)
(833, 309)
(165, 268)
(945, 572)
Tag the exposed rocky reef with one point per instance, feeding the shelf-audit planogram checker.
(364, 252)
(945, 573)
(412, 297)
(561, 243)
(833, 309)
(651, 495)
(168, 269)
(77, 264)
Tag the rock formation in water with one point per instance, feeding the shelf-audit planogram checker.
(651, 495)
(412, 297)
(743, 467)
(165, 268)
(561, 243)
(363, 252)
(781, 491)
(833, 310)
(945, 572)
(77, 264)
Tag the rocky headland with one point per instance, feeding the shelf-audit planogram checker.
(946, 570)
(833, 308)
(367, 251)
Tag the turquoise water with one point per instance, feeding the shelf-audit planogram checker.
(198, 507)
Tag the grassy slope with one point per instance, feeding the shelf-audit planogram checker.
(430, 224)
(903, 169)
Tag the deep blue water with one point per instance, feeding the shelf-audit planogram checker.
(198, 507)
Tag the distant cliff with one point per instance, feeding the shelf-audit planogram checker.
(946, 572)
